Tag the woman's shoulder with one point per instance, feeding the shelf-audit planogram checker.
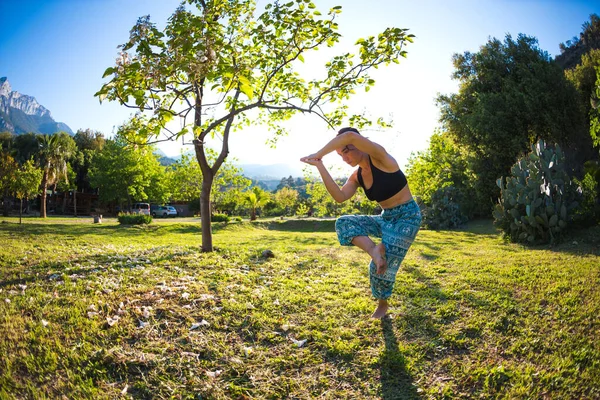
(387, 163)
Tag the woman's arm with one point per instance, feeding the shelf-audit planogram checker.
(373, 149)
(339, 195)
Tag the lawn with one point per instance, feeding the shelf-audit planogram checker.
(105, 311)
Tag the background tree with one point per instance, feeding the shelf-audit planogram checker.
(54, 151)
(256, 198)
(124, 173)
(8, 169)
(88, 143)
(186, 183)
(25, 146)
(27, 183)
(225, 69)
(286, 198)
(441, 165)
(510, 94)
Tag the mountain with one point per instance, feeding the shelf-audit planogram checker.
(271, 171)
(20, 113)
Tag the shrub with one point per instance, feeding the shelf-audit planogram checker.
(444, 211)
(588, 212)
(237, 219)
(133, 218)
(536, 199)
(216, 217)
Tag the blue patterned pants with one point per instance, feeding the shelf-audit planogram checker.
(397, 227)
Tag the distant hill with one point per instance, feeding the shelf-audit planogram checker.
(269, 176)
(20, 113)
(271, 171)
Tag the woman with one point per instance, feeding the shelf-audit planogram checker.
(383, 181)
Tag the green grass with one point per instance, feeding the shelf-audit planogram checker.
(472, 316)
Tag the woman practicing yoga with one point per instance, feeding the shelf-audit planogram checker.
(383, 181)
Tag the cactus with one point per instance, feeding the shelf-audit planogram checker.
(534, 204)
(445, 211)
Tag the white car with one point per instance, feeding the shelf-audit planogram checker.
(164, 211)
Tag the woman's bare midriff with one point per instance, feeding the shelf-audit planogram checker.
(403, 196)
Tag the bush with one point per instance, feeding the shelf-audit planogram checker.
(237, 219)
(444, 211)
(219, 217)
(133, 218)
(535, 202)
(588, 212)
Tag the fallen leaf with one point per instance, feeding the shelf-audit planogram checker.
(199, 324)
(298, 343)
(248, 351)
(113, 320)
(214, 374)
(44, 323)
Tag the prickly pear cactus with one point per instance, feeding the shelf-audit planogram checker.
(535, 200)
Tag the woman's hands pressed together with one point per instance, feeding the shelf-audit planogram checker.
(312, 159)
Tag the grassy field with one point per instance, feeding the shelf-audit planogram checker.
(105, 311)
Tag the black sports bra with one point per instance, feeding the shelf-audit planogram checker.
(385, 184)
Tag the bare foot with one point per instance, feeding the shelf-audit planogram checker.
(381, 310)
(378, 256)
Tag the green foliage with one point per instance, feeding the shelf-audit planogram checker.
(255, 199)
(134, 219)
(511, 94)
(8, 169)
(217, 217)
(595, 108)
(444, 210)
(286, 198)
(27, 178)
(537, 199)
(302, 210)
(128, 173)
(441, 165)
(588, 212)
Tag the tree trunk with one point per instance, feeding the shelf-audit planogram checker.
(44, 188)
(5, 211)
(75, 202)
(205, 214)
(21, 212)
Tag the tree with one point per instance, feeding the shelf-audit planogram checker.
(440, 166)
(26, 184)
(88, 143)
(54, 151)
(123, 172)
(286, 198)
(510, 94)
(255, 198)
(226, 69)
(186, 182)
(8, 169)
(25, 147)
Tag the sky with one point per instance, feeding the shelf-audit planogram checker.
(57, 51)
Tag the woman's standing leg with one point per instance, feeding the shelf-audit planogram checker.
(356, 229)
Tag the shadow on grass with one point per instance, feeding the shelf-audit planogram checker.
(396, 382)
